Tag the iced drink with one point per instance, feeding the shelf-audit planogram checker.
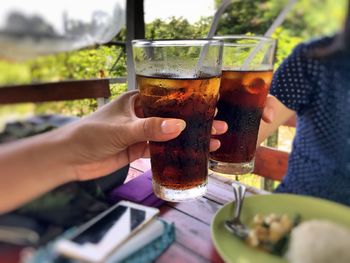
(242, 99)
(181, 163)
(180, 79)
(246, 78)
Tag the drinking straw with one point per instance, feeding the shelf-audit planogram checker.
(217, 15)
(278, 21)
(213, 27)
(225, 3)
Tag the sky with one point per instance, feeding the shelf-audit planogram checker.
(192, 10)
(52, 11)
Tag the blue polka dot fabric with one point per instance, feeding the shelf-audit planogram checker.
(318, 89)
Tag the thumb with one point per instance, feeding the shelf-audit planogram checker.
(152, 129)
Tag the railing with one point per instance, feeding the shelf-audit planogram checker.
(59, 91)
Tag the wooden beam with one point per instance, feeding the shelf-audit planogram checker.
(55, 91)
(135, 29)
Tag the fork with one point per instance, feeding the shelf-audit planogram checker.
(234, 225)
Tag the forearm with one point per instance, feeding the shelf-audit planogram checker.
(280, 116)
(31, 167)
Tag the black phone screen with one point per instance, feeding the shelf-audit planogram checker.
(122, 217)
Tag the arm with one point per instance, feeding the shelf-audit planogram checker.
(278, 113)
(30, 167)
(90, 148)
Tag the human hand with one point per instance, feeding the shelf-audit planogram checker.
(114, 136)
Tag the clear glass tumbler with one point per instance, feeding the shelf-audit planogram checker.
(246, 77)
(180, 79)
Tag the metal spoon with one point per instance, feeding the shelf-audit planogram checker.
(234, 225)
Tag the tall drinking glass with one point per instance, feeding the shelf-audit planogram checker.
(180, 79)
(246, 78)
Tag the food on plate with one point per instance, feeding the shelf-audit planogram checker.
(271, 232)
(319, 241)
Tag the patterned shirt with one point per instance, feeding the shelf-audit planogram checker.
(318, 89)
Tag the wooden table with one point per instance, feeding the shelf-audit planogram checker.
(192, 221)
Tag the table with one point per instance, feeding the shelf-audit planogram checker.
(192, 222)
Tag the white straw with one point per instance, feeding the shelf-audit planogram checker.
(225, 3)
(217, 15)
(278, 21)
(213, 27)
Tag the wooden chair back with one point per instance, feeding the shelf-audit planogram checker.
(272, 163)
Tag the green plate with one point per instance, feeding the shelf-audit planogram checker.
(232, 249)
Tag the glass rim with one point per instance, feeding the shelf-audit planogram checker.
(257, 38)
(175, 42)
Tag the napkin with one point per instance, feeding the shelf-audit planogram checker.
(138, 190)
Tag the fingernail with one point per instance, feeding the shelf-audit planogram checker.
(213, 130)
(173, 126)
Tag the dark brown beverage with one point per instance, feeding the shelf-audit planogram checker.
(181, 163)
(242, 99)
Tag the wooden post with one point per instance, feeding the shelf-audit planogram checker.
(135, 29)
(272, 141)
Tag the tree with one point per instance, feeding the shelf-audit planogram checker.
(308, 18)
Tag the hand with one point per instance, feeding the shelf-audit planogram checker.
(275, 114)
(114, 136)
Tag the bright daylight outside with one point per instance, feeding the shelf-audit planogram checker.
(170, 20)
(175, 131)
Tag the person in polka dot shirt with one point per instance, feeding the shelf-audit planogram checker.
(314, 83)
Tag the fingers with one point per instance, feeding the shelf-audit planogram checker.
(219, 127)
(214, 145)
(151, 129)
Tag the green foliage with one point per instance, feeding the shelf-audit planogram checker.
(14, 73)
(253, 16)
(285, 45)
(177, 28)
(81, 64)
(309, 18)
(87, 63)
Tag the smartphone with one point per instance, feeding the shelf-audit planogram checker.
(99, 237)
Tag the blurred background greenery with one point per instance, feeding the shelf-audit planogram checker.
(308, 19)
